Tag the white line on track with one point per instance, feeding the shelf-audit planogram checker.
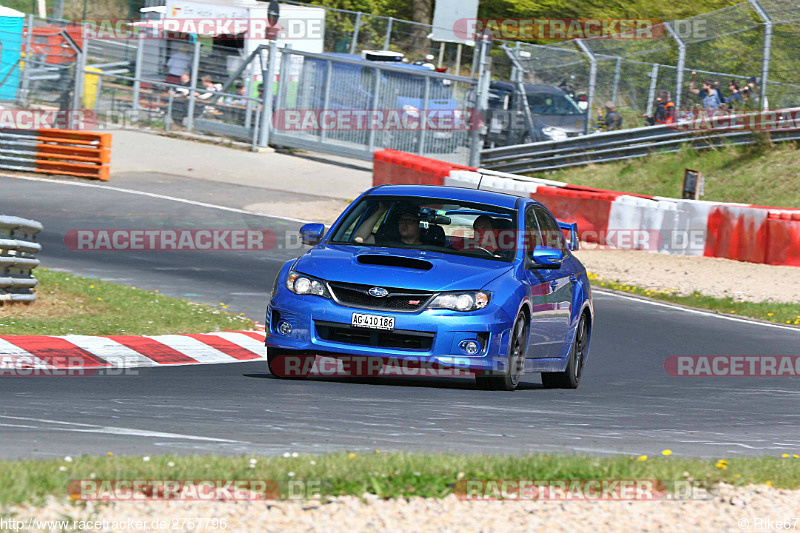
(91, 428)
(696, 311)
(158, 196)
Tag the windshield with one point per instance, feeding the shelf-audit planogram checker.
(434, 224)
(552, 104)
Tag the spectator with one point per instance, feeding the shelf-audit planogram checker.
(240, 91)
(177, 64)
(707, 94)
(209, 86)
(750, 93)
(180, 105)
(612, 120)
(735, 100)
(722, 98)
(665, 110)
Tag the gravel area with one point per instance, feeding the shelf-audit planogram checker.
(710, 276)
(722, 512)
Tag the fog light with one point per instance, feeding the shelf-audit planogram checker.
(470, 347)
(284, 328)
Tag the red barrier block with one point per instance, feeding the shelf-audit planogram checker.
(738, 233)
(401, 168)
(783, 239)
(589, 209)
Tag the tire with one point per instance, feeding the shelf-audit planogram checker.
(518, 343)
(283, 368)
(570, 378)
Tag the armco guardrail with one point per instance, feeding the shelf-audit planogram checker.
(17, 250)
(619, 145)
(55, 151)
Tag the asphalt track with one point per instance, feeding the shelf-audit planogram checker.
(626, 403)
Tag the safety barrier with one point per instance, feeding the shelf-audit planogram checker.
(756, 234)
(55, 151)
(17, 250)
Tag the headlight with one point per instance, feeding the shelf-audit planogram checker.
(555, 134)
(302, 284)
(410, 110)
(461, 301)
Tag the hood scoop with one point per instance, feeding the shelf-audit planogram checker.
(394, 261)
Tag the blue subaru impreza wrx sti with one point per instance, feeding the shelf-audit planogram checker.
(454, 277)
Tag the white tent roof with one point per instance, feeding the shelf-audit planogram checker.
(8, 12)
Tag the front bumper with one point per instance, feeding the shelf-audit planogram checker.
(321, 326)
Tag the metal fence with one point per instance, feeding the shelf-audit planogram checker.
(626, 144)
(757, 39)
(367, 106)
(17, 251)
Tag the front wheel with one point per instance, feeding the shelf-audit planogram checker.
(570, 378)
(516, 360)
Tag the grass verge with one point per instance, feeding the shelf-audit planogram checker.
(389, 475)
(69, 304)
(780, 313)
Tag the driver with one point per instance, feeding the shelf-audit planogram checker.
(407, 225)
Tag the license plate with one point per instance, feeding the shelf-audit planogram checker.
(373, 321)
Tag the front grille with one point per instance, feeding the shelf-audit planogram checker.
(399, 338)
(401, 300)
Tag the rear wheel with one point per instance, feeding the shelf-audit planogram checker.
(570, 378)
(286, 364)
(518, 343)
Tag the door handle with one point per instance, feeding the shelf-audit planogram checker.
(554, 284)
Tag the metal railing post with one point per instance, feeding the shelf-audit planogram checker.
(137, 77)
(192, 89)
(422, 114)
(681, 64)
(651, 94)
(327, 96)
(355, 33)
(481, 102)
(767, 50)
(376, 89)
(616, 80)
(592, 80)
(266, 101)
(26, 72)
(388, 39)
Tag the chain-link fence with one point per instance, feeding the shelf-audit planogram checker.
(748, 52)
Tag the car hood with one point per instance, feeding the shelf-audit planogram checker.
(568, 123)
(408, 269)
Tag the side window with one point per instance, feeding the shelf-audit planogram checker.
(550, 231)
(533, 236)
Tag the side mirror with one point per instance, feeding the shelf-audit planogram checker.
(311, 234)
(572, 227)
(547, 257)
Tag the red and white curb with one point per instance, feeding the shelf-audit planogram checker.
(129, 351)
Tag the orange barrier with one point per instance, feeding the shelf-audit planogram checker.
(73, 153)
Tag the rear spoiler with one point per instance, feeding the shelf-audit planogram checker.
(574, 243)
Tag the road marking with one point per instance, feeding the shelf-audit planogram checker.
(245, 341)
(110, 430)
(195, 349)
(110, 350)
(158, 196)
(696, 311)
